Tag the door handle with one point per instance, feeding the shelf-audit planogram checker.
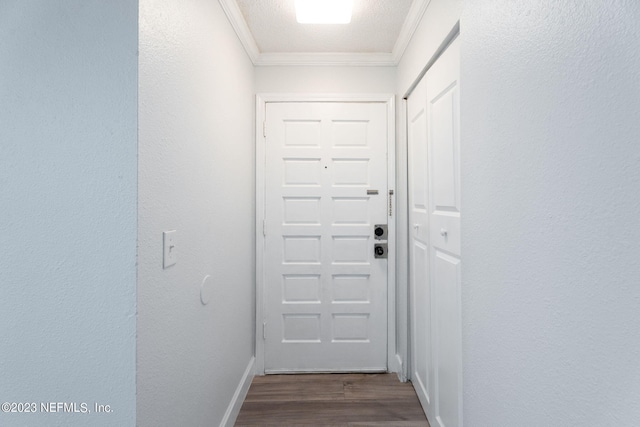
(443, 232)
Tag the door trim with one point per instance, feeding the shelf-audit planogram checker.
(261, 104)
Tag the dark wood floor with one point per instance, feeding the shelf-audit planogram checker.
(337, 400)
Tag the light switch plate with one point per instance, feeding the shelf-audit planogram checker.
(170, 255)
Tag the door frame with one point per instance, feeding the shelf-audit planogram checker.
(262, 99)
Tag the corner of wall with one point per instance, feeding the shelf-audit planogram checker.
(233, 409)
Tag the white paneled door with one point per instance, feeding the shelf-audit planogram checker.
(325, 293)
(422, 360)
(434, 179)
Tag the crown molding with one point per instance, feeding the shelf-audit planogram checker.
(409, 27)
(234, 15)
(416, 11)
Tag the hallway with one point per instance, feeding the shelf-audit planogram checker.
(132, 213)
(345, 400)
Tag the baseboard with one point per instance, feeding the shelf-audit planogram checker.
(402, 374)
(233, 410)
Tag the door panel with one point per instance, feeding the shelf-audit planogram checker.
(434, 170)
(325, 293)
(422, 365)
(443, 106)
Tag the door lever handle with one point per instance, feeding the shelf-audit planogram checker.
(443, 232)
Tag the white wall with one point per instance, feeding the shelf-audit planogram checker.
(550, 230)
(439, 19)
(68, 207)
(320, 79)
(197, 177)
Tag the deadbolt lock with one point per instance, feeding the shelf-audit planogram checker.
(380, 231)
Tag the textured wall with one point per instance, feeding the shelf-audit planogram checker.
(197, 177)
(68, 206)
(550, 230)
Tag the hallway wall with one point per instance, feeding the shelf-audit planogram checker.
(197, 177)
(551, 232)
(68, 189)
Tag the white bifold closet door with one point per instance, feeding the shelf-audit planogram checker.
(434, 219)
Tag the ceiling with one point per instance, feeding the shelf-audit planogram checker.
(377, 35)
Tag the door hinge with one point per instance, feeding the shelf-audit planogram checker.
(264, 330)
(264, 227)
(390, 203)
(264, 129)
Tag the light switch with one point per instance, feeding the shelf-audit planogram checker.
(169, 248)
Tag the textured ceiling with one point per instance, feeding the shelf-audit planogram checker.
(374, 28)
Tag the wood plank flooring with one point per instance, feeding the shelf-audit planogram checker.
(336, 400)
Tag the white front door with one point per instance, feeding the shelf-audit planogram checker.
(434, 141)
(325, 293)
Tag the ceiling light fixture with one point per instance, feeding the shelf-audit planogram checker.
(323, 11)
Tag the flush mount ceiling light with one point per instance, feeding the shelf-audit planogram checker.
(323, 11)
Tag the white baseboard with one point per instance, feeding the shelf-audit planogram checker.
(402, 374)
(233, 410)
